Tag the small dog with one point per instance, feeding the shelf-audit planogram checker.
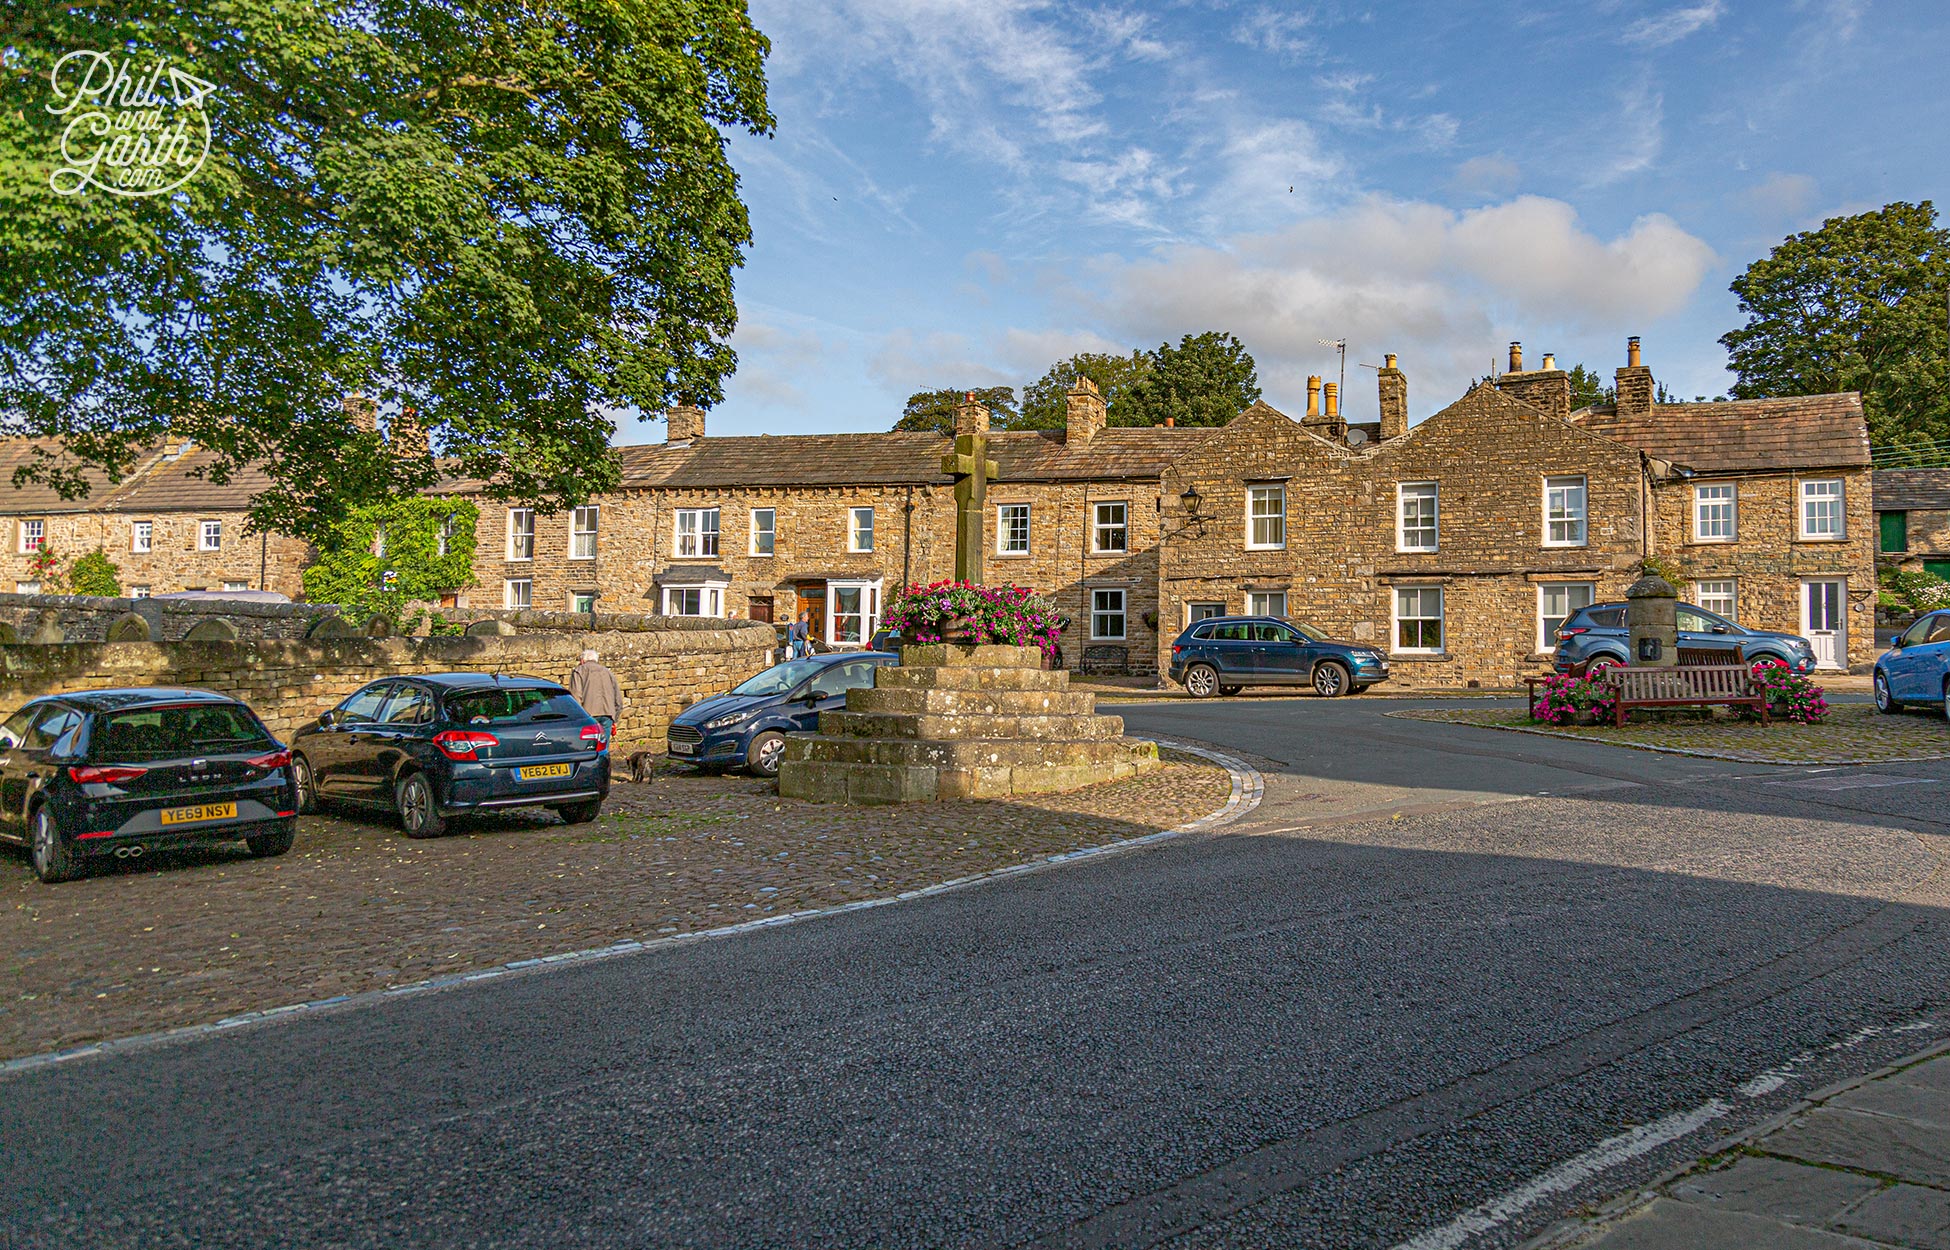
(643, 767)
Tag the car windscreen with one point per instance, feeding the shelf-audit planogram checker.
(1309, 632)
(500, 706)
(161, 733)
(778, 679)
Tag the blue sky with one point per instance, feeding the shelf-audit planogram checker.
(961, 192)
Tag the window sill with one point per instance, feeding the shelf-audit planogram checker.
(1109, 554)
(1418, 657)
(1823, 538)
(518, 560)
(1119, 638)
(1251, 547)
(582, 559)
(1012, 555)
(1418, 551)
(1564, 546)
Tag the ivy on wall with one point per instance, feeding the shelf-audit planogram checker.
(384, 556)
(95, 574)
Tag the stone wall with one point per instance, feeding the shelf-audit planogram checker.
(288, 682)
(90, 618)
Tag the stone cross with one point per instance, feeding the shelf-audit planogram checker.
(970, 466)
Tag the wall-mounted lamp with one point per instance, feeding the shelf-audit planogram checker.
(1194, 505)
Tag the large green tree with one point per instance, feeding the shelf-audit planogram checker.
(1207, 379)
(934, 411)
(513, 217)
(1043, 403)
(1858, 305)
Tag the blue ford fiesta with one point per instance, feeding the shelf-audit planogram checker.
(746, 726)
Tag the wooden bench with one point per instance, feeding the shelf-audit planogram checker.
(1692, 685)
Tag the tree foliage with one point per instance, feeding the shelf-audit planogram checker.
(1207, 379)
(95, 574)
(1588, 388)
(934, 411)
(1857, 305)
(513, 218)
(1045, 408)
(383, 556)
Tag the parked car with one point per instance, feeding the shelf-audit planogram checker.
(122, 772)
(431, 747)
(1596, 637)
(1221, 654)
(746, 726)
(1916, 668)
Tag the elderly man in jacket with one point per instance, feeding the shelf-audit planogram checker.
(596, 688)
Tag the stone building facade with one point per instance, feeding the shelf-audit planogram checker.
(1913, 519)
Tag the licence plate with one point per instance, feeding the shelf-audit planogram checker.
(682, 748)
(535, 772)
(203, 811)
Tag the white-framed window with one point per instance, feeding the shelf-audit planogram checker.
(1714, 517)
(236, 585)
(1012, 529)
(1720, 597)
(1107, 615)
(27, 588)
(1110, 528)
(33, 534)
(1564, 502)
(1556, 601)
(517, 592)
(582, 533)
(142, 537)
(521, 533)
(1821, 508)
(706, 600)
(582, 601)
(697, 535)
(1266, 603)
(1418, 619)
(209, 536)
(852, 612)
(859, 529)
(1265, 517)
(765, 530)
(1195, 612)
(1416, 518)
(446, 538)
(138, 592)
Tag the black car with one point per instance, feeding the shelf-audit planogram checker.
(1221, 654)
(120, 772)
(430, 747)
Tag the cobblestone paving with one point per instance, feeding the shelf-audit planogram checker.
(196, 936)
(1854, 733)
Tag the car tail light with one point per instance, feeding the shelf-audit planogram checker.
(100, 833)
(460, 744)
(1176, 650)
(594, 733)
(111, 774)
(276, 759)
(1571, 633)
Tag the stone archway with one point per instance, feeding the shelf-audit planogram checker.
(211, 629)
(129, 627)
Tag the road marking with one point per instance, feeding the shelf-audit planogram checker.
(1493, 1214)
(1852, 781)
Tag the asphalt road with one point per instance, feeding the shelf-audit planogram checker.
(1436, 965)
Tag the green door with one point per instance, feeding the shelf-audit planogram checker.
(1940, 568)
(1895, 530)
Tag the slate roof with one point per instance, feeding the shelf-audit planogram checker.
(1744, 435)
(1911, 490)
(159, 483)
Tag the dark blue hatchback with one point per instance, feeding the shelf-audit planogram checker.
(746, 726)
(1221, 654)
(430, 747)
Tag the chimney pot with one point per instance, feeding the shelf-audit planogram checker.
(1516, 357)
(1171, 422)
(1550, 360)
(1332, 391)
(1313, 394)
(1632, 352)
(1388, 361)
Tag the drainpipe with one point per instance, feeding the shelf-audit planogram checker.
(907, 540)
(263, 558)
(1645, 492)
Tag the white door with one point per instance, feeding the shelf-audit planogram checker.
(1824, 621)
(852, 613)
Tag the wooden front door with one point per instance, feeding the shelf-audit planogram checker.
(761, 608)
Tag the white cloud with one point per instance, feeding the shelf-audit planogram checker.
(1495, 174)
(1783, 195)
(1659, 30)
(906, 362)
(1635, 137)
(1279, 31)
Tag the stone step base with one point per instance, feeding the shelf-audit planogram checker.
(904, 678)
(960, 727)
(862, 770)
(974, 702)
(986, 656)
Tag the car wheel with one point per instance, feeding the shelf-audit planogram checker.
(307, 788)
(580, 813)
(1946, 700)
(1230, 690)
(1331, 680)
(271, 845)
(765, 752)
(1885, 702)
(1601, 665)
(54, 859)
(417, 813)
(1201, 681)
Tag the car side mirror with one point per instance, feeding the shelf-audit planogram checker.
(327, 719)
(1721, 629)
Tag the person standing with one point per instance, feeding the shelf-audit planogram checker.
(596, 688)
(798, 635)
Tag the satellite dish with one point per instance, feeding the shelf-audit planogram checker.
(1356, 437)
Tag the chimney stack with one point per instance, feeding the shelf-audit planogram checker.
(363, 413)
(970, 416)
(683, 424)
(407, 437)
(1393, 385)
(1516, 357)
(1547, 389)
(1634, 382)
(1313, 395)
(1084, 414)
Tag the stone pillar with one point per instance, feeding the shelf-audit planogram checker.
(1652, 617)
(363, 412)
(1393, 384)
(1085, 412)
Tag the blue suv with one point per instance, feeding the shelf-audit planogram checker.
(1916, 668)
(1220, 654)
(1596, 637)
(746, 727)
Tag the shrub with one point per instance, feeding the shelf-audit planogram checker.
(1562, 697)
(1792, 695)
(95, 574)
(1912, 590)
(1004, 614)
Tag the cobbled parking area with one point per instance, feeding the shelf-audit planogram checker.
(195, 936)
(1854, 733)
